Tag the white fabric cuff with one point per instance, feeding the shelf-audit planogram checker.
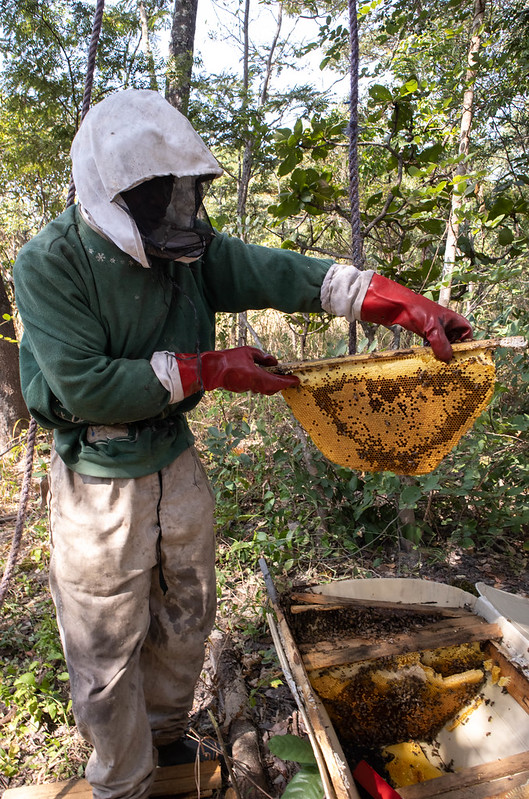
(165, 367)
(343, 290)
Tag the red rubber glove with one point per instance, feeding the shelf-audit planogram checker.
(388, 303)
(236, 370)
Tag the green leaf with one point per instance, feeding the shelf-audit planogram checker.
(290, 162)
(431, 482)
(306, 784)
(409, 496)
(431, 154)
(380, 93)
(435, 226)
(291, 747)
(505, 236)
(288, 207)
(28, 678)
(465, 245)
(502, 206)
(409, 87)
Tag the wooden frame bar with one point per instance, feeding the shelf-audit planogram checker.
(353, 650)
(336, 602)
(181, 781)
(478, 782)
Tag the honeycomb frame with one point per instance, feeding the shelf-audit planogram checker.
(400, 411)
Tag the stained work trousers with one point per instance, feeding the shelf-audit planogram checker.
(134, 652)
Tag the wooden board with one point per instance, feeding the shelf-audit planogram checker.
(401, 590)
(324, 600)
(352, 650)
(178, 781)
(478, 782)
(396, 609)
(517, 686)
(338, 770)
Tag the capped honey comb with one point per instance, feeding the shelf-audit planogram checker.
(401, 411)
(407, 764)
(393, 699)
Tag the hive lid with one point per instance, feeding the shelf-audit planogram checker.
(401, 411)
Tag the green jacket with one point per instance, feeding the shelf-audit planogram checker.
(93, 317)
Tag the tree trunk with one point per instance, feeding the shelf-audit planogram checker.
(181, 48)
(464, 139)
(247, 159)
(12, 405)
(248, 153)
(146, 46)
(249, 144)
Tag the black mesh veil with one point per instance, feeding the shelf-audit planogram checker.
(181, 230)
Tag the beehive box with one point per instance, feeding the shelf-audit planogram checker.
(425, 682)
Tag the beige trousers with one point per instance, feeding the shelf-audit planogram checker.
(132, 576)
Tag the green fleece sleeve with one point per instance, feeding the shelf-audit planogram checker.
(42, 404)
(242, 277)
(66, 349)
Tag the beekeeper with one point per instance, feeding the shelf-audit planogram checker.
(118, 298)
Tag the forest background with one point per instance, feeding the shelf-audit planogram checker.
(444, 196)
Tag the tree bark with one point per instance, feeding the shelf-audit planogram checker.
(248, 153)
(181, 49)
(146, 46)
(464, 140)
(12, 405)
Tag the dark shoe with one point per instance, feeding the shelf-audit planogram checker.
(188, 750)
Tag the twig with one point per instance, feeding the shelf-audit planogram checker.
(15, 443)
(21, 516)
(225, 753)
(252, 332)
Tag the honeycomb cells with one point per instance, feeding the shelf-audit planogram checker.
(401, 412)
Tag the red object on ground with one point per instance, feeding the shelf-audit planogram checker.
(374, 784)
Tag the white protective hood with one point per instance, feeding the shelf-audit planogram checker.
(126, 139)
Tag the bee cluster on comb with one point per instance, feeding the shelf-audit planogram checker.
(399, 411)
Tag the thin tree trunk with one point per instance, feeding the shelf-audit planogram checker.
(181, 49)
(247, 158)
(248, 153)
(464, 140)
(12, 405)
(242, 330)
(247, 161)
(146, 46)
